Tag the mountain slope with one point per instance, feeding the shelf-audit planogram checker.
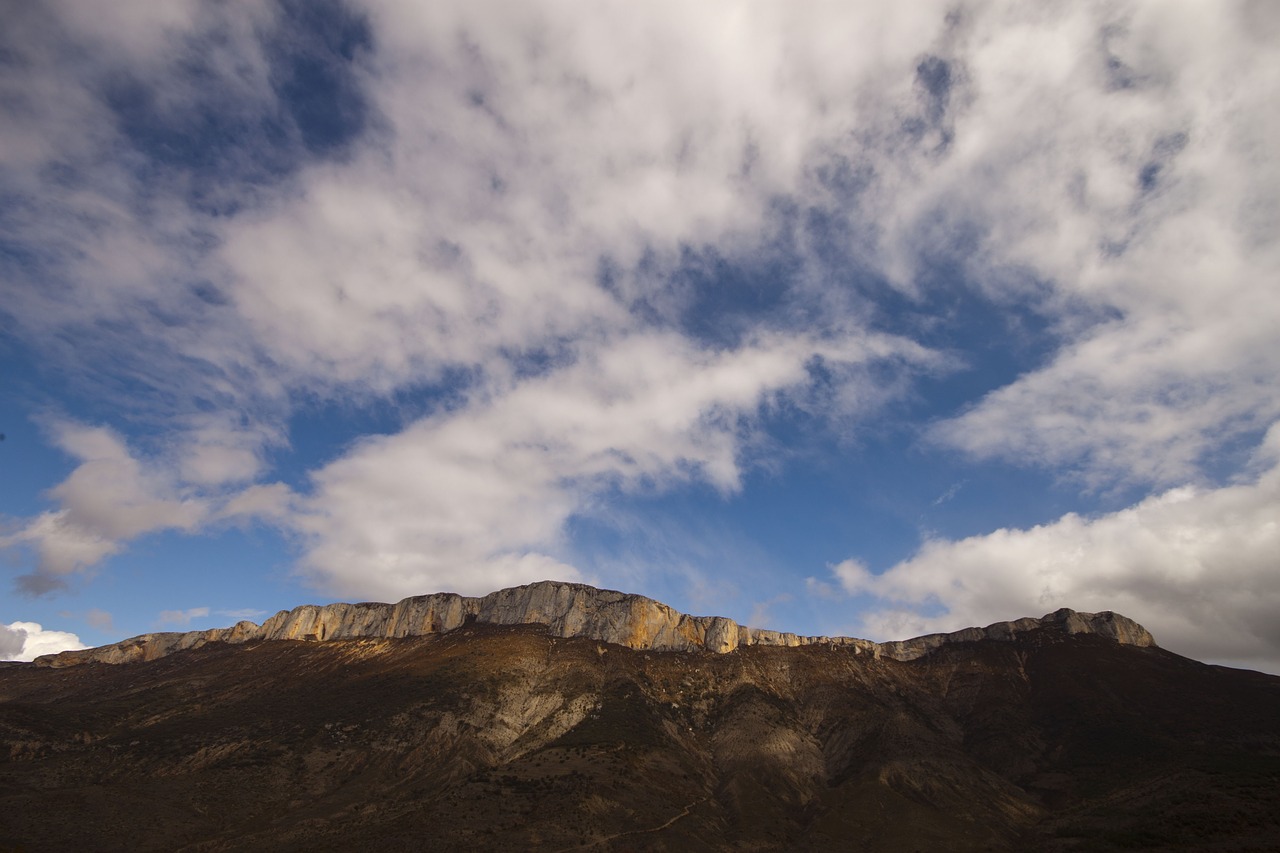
(498, 737)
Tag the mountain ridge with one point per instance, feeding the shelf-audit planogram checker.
(571, 610)
(1061, 737)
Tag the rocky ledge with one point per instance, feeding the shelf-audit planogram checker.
(570, 610)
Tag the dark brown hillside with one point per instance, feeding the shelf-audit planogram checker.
(500, 737)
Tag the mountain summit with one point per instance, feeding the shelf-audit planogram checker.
(571, 610)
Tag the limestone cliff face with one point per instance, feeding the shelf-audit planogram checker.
(1106, 624)
(569, 610)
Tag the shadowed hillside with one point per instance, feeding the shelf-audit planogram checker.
(501, 737)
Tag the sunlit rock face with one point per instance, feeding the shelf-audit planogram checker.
(1105, 624)
(572, 610)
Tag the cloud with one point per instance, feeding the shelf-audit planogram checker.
(111, 491)
(273, 502)
(696, 120)
(222, 450)
(1148, 241)
(457, 240)
(242, 613)
(511, 154)
(112, 237)
(478, 498)
(1195, 566)
(100, 619)
(25, 641)
(949, 494)
(831, 592)
(110, 498)
(536, 222)
(181, 618)
(11, 642)
(761, 610)
(468, 223)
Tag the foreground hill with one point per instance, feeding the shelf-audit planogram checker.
(501, 737)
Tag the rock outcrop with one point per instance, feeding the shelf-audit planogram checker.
(570, 610)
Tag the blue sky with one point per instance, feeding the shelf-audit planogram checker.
(869, 319)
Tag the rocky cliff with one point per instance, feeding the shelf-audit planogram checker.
(570, 610)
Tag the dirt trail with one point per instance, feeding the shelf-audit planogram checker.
(590, 844)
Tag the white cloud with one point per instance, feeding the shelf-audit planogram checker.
(512, 153)
(115, 494)
(514, 150)
(1113, 171)
(218, 449)
(1197, 567)
(11, 642)
(273, 502)
(111, 491)
(822, 589)
(112, 246)
(61, 548)
(110, 498)
(1107, 166)
(477, 498)
(25, 641)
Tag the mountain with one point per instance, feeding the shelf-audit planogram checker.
(568, 610)
(566, 718)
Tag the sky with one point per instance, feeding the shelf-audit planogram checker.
(869, 319)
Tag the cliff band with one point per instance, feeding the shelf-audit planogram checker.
(569, 610)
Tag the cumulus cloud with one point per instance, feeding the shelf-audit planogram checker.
(273, 502)
(1196, 566)
(111, 492)
(11, 642)
(26, 641)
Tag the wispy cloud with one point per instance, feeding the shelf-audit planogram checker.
(949, 494)
(761, 611)
(479, 497)
(181, 618)
(100, 619)
(242, 613)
